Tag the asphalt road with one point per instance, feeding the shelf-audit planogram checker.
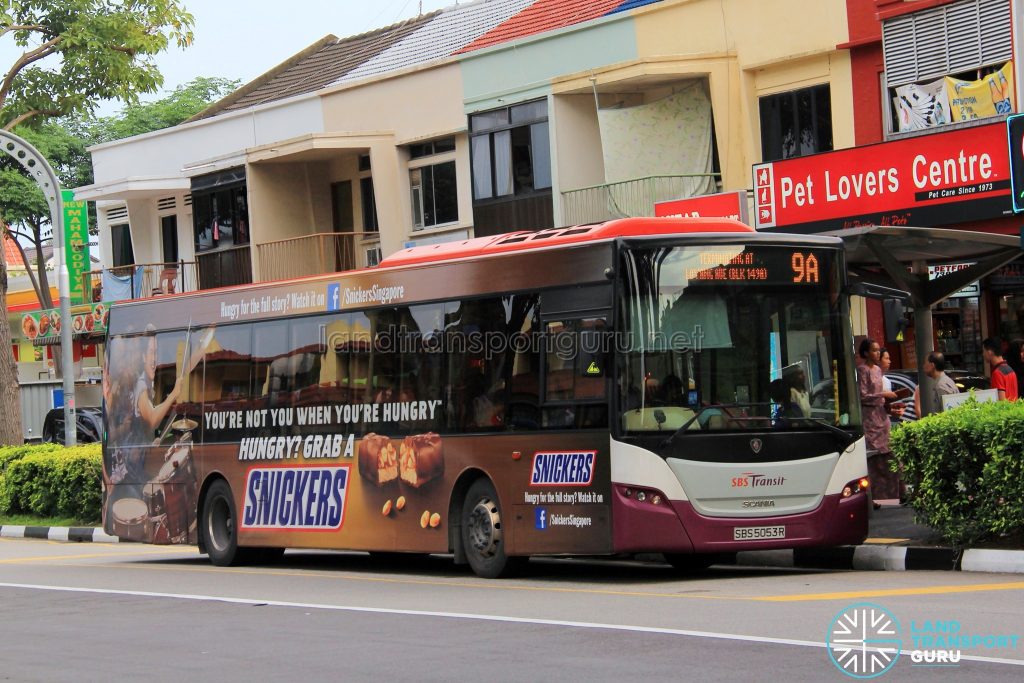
(99, 612)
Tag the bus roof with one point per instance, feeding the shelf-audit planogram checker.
(526, 240)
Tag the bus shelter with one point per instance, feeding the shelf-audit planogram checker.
(892, 263)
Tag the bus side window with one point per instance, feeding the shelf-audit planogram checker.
(523, 404)
(227, 386)
(575, 372)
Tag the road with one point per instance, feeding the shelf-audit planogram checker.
(97, 612)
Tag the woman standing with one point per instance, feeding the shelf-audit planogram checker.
(884, 482)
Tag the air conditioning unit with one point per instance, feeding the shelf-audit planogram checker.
(373, 257)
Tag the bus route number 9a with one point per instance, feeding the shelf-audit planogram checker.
(805, 268)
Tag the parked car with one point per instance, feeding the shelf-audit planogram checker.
(823, 401)
(964, 380)
(89, 425)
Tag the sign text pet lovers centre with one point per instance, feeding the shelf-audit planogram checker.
(929, 180)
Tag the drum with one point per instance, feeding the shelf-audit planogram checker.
(130, 518)
(171, 498)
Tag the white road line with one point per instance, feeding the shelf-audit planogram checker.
(462, 615)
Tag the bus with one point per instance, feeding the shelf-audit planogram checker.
(675, 386)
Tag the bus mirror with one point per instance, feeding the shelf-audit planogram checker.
(869, 290)
(895, 314)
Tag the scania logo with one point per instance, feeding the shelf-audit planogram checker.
(756, 445)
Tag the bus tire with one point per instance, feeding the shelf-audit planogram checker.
(219, 527)
(690, 563)
(483, 533)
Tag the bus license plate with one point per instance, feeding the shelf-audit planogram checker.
(748, 533)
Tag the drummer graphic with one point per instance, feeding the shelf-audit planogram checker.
(135, 446)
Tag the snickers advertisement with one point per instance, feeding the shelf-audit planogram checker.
(929, 180)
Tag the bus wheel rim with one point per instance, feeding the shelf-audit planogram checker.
(220, 524)
(485, 527)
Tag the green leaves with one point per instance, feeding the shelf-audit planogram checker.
(51, 481)
(967, 469)
(77, 53)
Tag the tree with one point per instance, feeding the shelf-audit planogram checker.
(76, 54)
(64, 143)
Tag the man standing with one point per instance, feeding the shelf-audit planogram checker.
(942, 384)
(1003, 377)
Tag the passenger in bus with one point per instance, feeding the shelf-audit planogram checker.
(796, 381)
(884, 482)
(781, 395)
(672, 391)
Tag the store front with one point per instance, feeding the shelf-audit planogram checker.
(958, 180)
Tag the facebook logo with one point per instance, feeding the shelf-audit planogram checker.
(541, 518)
(334, 297)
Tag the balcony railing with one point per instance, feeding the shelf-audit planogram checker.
(631, 198)
(140, 281)
(324, 252)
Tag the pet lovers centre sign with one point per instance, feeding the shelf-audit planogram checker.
(930, 180)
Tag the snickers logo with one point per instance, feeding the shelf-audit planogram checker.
(563, 468)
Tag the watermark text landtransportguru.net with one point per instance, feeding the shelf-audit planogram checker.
(493, 344)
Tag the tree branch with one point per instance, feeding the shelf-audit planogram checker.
(26, 27)
(18, 120)
(44, 50)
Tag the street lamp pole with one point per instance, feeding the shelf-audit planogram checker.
(42, 173)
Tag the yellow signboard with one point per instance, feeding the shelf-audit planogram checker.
(990, 96)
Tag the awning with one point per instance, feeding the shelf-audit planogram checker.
(885, 256)
(135, 187)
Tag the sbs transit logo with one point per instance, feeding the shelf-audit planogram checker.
(864, 640)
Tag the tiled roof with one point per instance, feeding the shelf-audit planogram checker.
(317, 67)
(542, 16)
(448, 33)
(632, 4)
(11, 253)
(455, 30)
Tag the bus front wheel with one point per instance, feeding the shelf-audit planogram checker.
(219, 528)
(483, 533)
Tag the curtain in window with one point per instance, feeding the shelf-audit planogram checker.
(667, 137)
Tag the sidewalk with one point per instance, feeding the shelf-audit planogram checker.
(894, 543)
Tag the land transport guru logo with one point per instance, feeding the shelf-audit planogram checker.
(864, 640)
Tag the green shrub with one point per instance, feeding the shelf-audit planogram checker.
(966, 467)
(53, 481)
(9, 453)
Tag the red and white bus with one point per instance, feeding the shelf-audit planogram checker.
(682, 386)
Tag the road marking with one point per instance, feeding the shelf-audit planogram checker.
(885, 541)
(889, 592)
(465, 616)
(483, 584)
(82, 556)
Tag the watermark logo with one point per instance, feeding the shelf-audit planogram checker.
(864, 640)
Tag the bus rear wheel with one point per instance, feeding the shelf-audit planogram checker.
(219, 529)
(483, 537)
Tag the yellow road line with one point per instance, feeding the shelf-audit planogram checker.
(311, 574)
(885, 541)
(80, 556)
(894, 592)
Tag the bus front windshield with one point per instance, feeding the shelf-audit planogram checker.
(734, 337)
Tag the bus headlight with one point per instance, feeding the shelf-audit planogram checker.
(856, 486)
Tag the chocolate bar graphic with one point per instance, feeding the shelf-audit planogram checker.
(378, 462)
(421, 459)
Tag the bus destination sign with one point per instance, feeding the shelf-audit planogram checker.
(768, 266)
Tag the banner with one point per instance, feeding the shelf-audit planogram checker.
(921, 106)
(76, 244)
(938, 179)
(991, 96)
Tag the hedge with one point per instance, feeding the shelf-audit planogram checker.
(966, 467)
(49, 480)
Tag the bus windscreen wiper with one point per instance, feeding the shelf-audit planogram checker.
(686, 425)
(844, 437)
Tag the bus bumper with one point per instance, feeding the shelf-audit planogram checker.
(677, 527)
